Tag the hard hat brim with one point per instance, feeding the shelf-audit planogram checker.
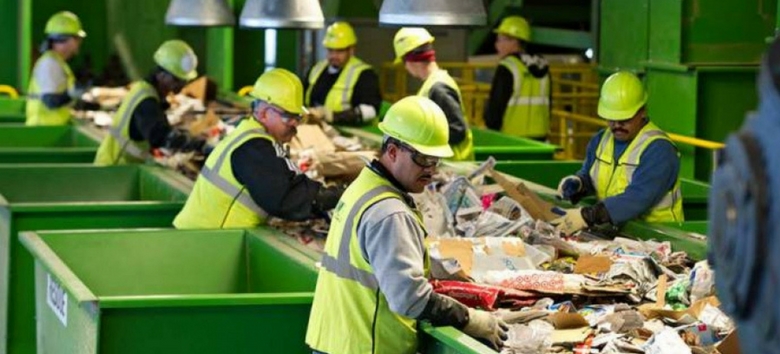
(498, 31)
(81, 34)
(443, 151)
(620, 115)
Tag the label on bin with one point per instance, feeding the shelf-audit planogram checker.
(57, 299)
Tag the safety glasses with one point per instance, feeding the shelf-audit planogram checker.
(422, 160)
(284, 115)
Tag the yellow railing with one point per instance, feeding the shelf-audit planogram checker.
(245, 91)
(567, 137)
(9, 90)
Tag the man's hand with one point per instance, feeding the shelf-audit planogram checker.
(571, 222)
(570, 189)
(485, 326)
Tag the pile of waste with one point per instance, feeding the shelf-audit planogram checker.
(492, 248)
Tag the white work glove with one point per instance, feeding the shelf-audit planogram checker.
(570, 222)
(485, 326)
(320, 114)
(569, 187)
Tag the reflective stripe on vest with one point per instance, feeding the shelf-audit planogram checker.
(36, 111)
(528, 110)
(607, 184)
(463, 151)
(341, 265)
(212, 175)
(339, 97)
(128, 146)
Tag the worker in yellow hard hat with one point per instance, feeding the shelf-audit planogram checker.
(372, 287)
(53, 90)
(342, 89)
(632, 166)
(140, 123)
(249, 177)
(414, 47)
(519, 101)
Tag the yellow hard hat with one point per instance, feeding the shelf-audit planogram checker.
(515, 26)
(339, 35)
(409, 38)
(280, 88)
(177, 58)
(622, 95)
(65, 23)
(420, 123)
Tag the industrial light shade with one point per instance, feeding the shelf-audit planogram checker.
(433, 13)
(199, 13)
(306, 14)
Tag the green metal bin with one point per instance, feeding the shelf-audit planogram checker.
(205, 291)
(13, 110)
(56, 197)
(486, 143)
(46, 144)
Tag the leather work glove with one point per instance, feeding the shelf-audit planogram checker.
(570, 189)
(571, 222)
(483, 325)
(320, 114)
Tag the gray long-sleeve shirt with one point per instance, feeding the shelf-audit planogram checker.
(392, 242)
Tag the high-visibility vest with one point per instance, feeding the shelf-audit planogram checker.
(350, 314)
(117, 148)
(464, 151)
(339, 97)
(37, 112)
(611, 179)
(218, 200)
(528, 110)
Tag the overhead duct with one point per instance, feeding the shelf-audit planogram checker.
(433, 13)
(199, 13)
(305, 14)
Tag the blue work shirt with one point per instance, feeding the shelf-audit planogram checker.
(653, 178)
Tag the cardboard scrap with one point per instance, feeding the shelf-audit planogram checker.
(729, 345)
(311, 136)
(567, 320)
(202, 125)
(535, 206)
(342, 164)
(592, 264)
(651, 311)
(570, 336)
(500, 253)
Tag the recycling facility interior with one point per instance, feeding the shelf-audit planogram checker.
(700, 75)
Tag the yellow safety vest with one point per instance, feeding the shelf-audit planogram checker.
(610, 179)
(528, 110)
(339, 97)
(350, 314)
(218, 200)
(464, 151)
(37, 112)
(117, 148)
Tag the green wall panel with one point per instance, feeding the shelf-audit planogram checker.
(665, 30)
(623, 39)
(672, 106)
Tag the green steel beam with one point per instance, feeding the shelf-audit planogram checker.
(562, 38)
(25, 45)
(220, 52)
(350, 10)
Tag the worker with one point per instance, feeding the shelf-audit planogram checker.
(372, 286)
(632, 166)
(744, 231)
(249, 177)
(414, 46)
(53, 90)
(342, 90)
(519, 102)
(140, 123)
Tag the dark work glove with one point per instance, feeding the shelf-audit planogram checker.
(180, 140)
(327, 198)
(82, 105)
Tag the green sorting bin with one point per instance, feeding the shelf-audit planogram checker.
(486, 143)
(13, 110)
(550, 173)
(56, 197)
(175, 291)
(46, 144)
